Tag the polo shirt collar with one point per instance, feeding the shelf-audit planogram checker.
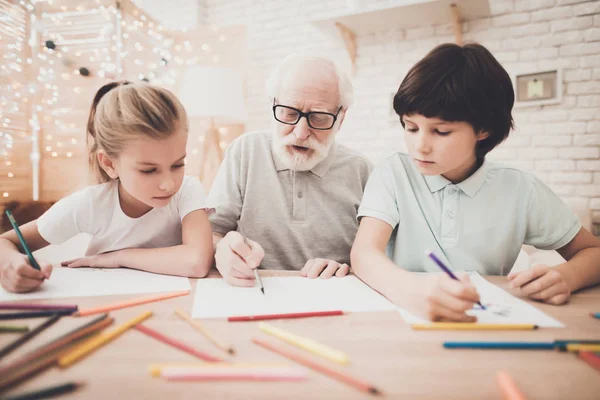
(469, 186)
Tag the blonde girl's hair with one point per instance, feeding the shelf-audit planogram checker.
(123, 111)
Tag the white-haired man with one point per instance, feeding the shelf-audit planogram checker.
(288, 198)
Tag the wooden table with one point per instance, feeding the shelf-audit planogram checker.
(383, 350)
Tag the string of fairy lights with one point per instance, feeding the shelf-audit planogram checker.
(72, 50)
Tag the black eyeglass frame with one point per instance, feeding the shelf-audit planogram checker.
(306, 115)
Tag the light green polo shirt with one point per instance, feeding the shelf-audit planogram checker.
(479, 224)
(294, 216)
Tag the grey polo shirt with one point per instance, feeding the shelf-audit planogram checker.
(295, 216)
(478, 224)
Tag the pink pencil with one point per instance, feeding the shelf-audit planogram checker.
(252, 374)
(175, 343)
(29, 306)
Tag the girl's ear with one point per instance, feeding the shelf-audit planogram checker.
(482, 135)
(107, 164)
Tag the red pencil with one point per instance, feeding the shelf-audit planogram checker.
(324, 369)
(593, 359)
(284, 316)
(175, 343)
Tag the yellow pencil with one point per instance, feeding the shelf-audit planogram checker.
(90, 345)
(583, 347)
(468, 326)
(304, 343)
(220, 344)
(155, 369)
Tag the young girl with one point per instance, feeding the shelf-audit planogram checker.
(145, 214)
(455, 106)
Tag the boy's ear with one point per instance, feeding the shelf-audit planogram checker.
(107, 164)
(482, 135)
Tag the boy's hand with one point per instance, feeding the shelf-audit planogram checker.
(542, 283)
(446, 299)
(324, 268)
(17, 275)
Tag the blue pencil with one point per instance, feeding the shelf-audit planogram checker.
(501, 345)
(595, 315)
(32, 260)
(446, 270)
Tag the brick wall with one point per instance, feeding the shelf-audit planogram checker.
(560, 143)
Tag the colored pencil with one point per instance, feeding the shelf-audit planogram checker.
(595, 315)
(284, 316)
(29, 335)
(562, 344)
(324, 369)
(501, 345)
(593, 359)
(200, 328)
(35, 314)
(13, 329)
(468, 326)
(446, 270)
(96, 342)
(156, 369)
(177, 344)
(305, 344)
(28, 371)
(583, 347)
(32, 259)
(51, 391)
(59, 343)
(28, 306)
(509, 389)
(219, 374)
(116, 306)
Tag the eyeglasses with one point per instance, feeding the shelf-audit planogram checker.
(318, 120)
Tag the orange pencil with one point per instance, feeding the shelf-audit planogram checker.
(509, 389)
(175, 343)
(324, 369)
(115, 306)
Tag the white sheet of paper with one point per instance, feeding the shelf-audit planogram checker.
(501, 308)
(216, 299)
(84, 282)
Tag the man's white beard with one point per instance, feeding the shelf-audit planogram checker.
(296, 160)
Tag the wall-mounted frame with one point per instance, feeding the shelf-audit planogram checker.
(538, 88)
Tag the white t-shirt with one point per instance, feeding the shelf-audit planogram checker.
(96, 210)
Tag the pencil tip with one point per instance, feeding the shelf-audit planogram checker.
(262, 290)
(375, 391)
(231, 351)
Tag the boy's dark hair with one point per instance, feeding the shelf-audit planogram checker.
(460, 83)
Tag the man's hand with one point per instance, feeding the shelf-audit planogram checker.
(324, 268)
(237, 257)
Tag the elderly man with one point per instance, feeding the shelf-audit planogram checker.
(287, 199)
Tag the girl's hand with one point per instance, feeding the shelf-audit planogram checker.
(324, 268)
(446, 299)
(17, 275)
(107, 260)
(542, 283)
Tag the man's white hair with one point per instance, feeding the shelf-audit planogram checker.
(316, 60)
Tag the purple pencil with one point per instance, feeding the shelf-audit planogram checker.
(29, 306)
(447, 270)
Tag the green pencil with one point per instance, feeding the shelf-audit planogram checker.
(13, 328)
(32, 260)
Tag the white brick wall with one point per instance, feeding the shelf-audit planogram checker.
(561, 142)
